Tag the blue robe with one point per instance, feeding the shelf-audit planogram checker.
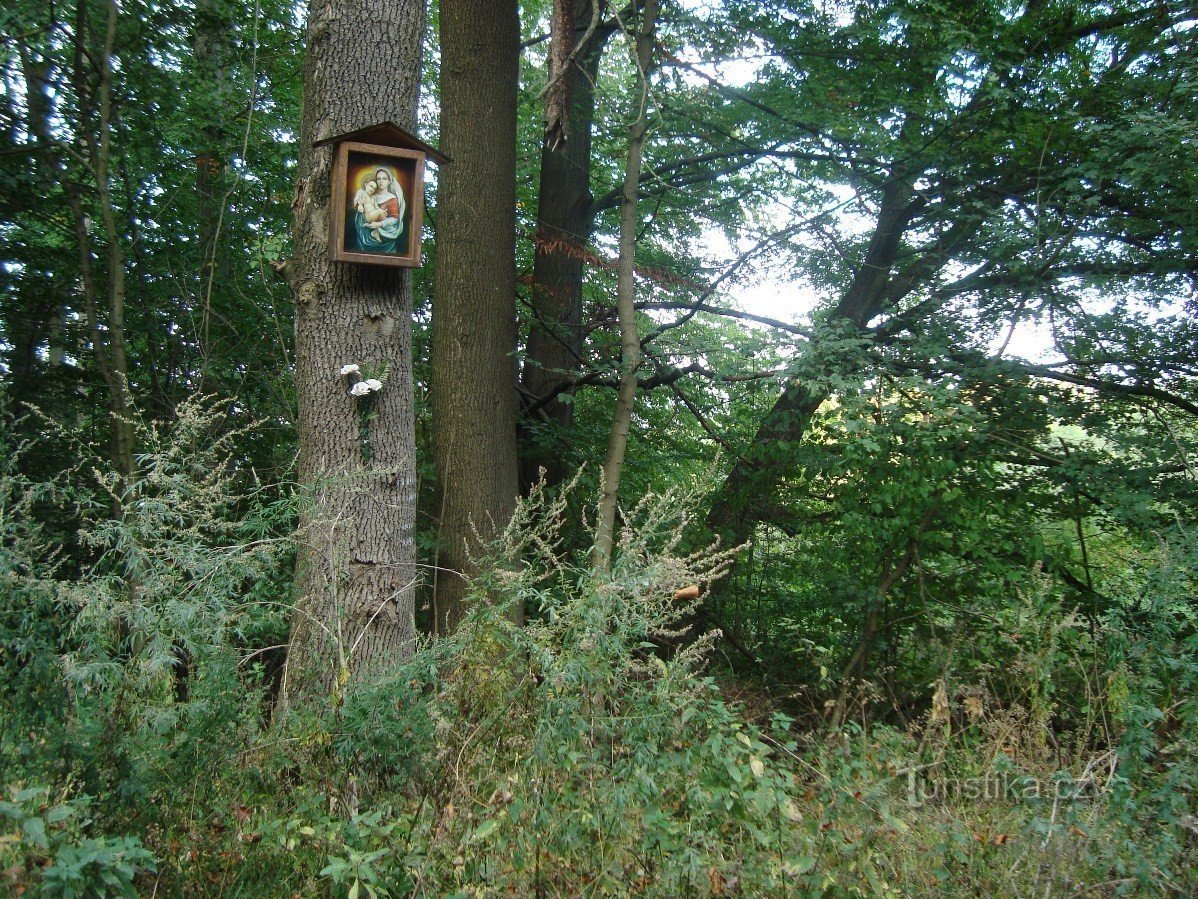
(387, 238)
(378, 240)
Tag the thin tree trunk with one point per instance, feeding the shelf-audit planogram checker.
(869, 627)
(472, 387)
(123, 434)
(355, 573)
(211, 41)
(630, 340)
(39, 312)
(107, 337)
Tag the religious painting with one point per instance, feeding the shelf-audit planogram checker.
(377, 204)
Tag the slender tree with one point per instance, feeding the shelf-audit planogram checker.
(212, 36)
(103, 294)
(473, 381)
(42, 301)
(630, 340)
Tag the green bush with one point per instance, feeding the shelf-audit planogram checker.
(43, 846)
(569, 755)
(590, 751)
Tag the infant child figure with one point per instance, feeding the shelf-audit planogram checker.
(364, 202)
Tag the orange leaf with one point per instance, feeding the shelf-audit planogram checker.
(717, 881)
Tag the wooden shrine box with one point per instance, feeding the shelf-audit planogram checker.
(376, 204)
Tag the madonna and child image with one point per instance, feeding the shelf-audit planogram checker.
(378, 219)
(377, 206)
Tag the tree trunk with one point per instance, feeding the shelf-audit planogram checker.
(94, 144)
(353, 612)
(473, 381)
(38, 314)
(630, 340)
(564, 221)
(869, 626)
(211, 45)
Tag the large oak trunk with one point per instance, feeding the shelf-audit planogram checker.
(473, 380)
(354, 585)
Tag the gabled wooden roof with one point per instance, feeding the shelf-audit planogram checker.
(389, 134)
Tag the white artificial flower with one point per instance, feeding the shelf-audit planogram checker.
(373, 383)
(350, 369)
(359, 389)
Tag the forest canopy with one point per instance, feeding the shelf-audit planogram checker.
(776, 475)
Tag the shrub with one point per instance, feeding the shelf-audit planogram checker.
(48, 849)
(569, 755)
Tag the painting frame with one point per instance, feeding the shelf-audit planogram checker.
(343, 246)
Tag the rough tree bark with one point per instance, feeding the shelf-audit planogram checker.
(353, 612)
(472, 387)
(630, 340)
(564, 220)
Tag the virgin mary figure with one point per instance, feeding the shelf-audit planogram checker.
(382, 236)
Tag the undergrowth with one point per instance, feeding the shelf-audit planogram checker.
(582, 754)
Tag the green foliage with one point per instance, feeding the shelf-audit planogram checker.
(42, 844)
(141, 670)
(581, 753)
(194, 559)
(984, 563)
(568, 753)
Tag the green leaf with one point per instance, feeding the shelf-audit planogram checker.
(35, 830)
(800, 865)
(484, 830)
